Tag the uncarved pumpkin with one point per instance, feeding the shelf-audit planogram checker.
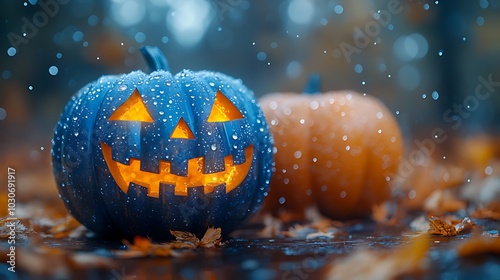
(143, 154)
(337, 150)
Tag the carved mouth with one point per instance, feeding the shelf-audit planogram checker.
(124, 174)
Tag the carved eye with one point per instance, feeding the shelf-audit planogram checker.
(182, 130)
(132, 110)
(223, 109)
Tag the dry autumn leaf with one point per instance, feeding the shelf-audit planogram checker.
(211, 238)
(391, 264)
(492, 212)
(143, 247)
(65, 228)
(480, 244)
(449, 226)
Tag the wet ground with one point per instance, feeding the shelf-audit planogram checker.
(247, 257)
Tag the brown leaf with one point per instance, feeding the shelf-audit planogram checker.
(382, 215)
(185, 237)
(65, 228)
(443, 201)
(479, 244)
(389, 264)
(211, 238)
(272, 227)
(492, 212)
(142, 247)
(449, 226)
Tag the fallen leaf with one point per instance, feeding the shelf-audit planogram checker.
(449, 226)
(382, 215)
(272, 227)
(211, 238)
(387, 264)
(492, 212)
(143, 247)
(64, 228)
(479, 244)
(443, 201)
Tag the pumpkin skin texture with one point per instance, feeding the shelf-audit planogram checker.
(143, 154)
(335, 149)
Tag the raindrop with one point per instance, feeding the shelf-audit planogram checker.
(213, 147)
(53, 70)
(235, 137)
(338, 9)
(480, 21)
(161, 113)
(314, 105)
(488, 170)
(6, 74)
(30, 87)
(11, 51)
(59, 55)
(297, 154)
(435, 95)
(440, 52)
(122, 88)
(358, 68)
(77, 36)
(261, 56)
(281, 200)
(426, 6)
(3, 114)
(140, 37)
(464, 39)
(424, 96)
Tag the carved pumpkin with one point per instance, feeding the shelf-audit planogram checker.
(142, 154)
(336, 150)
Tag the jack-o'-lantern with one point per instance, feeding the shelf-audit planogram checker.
(143, 154)
(337, 150)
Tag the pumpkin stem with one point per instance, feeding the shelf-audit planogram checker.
(155, 58)
(313, 86)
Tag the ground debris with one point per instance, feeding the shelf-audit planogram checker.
(143, 247)
(492, 212)
(449, 226)
(479, 244)
(386, 264)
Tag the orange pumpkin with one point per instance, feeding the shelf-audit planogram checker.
(335, 149)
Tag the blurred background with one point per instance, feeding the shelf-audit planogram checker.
(424, 59)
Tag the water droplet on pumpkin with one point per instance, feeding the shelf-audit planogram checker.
(273, 105)
(161, 113)
(380, 115)
(281, 200)
(122, 88)
(343, 194)
(235, 137)
(297, 154)
(344, 137)
(347, 148)
(314, 105)
(213, 147)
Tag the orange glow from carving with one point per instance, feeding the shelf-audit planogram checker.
(182, 131)
(132, 110)
(223, 109)
(124, 174)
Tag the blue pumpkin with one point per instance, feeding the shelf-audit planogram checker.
(143, 154)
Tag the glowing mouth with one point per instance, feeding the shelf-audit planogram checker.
(125, 174)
